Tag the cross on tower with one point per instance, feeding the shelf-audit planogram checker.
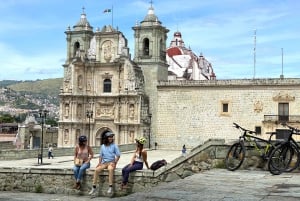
(83, 9)
(151, 2)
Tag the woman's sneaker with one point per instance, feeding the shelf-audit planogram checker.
(93, 191)
(109, 191)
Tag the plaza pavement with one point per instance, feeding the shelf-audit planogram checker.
(211, 185)
(67, 161)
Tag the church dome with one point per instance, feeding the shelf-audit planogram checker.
(82, 24)
(150, 18)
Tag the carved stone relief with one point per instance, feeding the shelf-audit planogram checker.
(105, 110)
(107, 48)
(258, 106)
(284, 96)
(92, 49)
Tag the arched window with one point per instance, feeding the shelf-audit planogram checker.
(107, 86)
(161, 50)
(77, 49)
(146, 47)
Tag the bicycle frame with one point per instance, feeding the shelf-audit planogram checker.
(237, 152)
(249, 137)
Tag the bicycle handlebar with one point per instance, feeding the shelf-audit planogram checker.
(246, 130)
(294, 130)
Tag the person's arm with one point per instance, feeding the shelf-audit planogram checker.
(117, 155)
(132, 159)
(100, 156)
(75, 152)
(91, 154)
(144, 154)
(117, 159)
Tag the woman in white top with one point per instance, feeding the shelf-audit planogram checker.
(137, 161)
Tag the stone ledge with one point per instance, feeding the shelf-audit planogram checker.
(53, 180)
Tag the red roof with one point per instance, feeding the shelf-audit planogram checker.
(174, 51)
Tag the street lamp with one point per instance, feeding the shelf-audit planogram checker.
(43, 115)
(150, 115)
(89, 114)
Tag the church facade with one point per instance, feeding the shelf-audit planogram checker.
(105, 90)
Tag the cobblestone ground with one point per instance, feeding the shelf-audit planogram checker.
(213, 185)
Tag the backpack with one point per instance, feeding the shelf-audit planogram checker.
(158, 164)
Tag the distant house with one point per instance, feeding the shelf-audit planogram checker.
(8, 132)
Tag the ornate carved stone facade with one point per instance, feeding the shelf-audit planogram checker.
(103, 88)
(134, 98)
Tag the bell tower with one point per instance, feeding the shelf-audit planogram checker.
(78, 39)
(150, 54)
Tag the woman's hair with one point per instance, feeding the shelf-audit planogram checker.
(106, 141)
(139, 148)
(82, 139)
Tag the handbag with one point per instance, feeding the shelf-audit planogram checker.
(78, 161)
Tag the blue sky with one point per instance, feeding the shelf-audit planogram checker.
(33, 44)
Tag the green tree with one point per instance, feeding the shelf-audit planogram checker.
(51, 121)
(6, 118)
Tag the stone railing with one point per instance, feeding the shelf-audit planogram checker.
(204, 157)
(13, 154)
(232, 82)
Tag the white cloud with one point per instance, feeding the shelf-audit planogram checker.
(33, 45)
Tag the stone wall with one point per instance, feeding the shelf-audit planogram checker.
(190, 112)
(13, 154)
(53, 180)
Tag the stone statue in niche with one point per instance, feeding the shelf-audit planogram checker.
(66, 87)
(88, 88)
(79, 111)
(131, 136)
(80, 81)
(131, 111)
(66, 135)
(67, 109)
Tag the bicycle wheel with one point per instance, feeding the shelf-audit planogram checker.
(235, 156)
(294, 158)
(281, 158)
(268, 154)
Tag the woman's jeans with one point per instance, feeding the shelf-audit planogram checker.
(127, 169)
(80, 170)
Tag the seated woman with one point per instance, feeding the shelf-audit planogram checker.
(84, 153)
(137, 161)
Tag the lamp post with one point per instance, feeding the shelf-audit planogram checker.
(89, 114)
(150, 115)
(43, 115)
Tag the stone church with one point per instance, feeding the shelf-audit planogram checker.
(105, 90)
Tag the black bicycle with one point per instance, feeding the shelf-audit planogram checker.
(237, 152)
(286, 156)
